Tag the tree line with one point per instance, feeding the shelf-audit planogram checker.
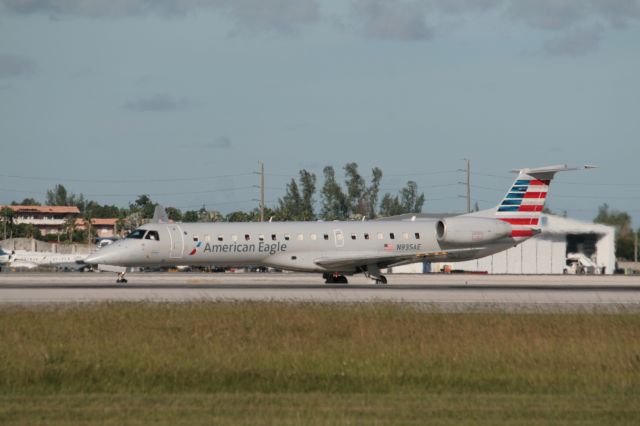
(354, 200)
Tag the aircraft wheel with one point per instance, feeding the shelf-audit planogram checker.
(382, 280)
(342, 280)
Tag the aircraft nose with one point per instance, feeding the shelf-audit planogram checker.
(104, 256)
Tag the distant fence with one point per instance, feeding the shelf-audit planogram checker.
(31, 244)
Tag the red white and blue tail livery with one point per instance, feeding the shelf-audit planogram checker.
(522, 206)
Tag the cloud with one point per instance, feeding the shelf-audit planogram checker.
(618, 12)
(577, 25)
(16, 66)
(101, 8)
(393, 19)
(548, 14)
(563, 14)
(256, 15)
(223, 142)
(159, 103)
(283, 16)
(400, 20)
(576, 42)
(464, 6)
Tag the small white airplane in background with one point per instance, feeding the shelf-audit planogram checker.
(340, 248)
(23, 259)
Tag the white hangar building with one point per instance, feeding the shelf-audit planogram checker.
(546, 253)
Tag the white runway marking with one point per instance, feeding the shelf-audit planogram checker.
(452, 292)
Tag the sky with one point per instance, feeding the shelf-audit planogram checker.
(181, 99)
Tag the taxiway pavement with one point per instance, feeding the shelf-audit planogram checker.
(449, 292)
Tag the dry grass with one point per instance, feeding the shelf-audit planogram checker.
(327, 363)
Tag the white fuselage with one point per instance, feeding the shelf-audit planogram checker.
(33, 259)
(297, 246)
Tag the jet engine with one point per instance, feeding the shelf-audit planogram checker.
(471, 231)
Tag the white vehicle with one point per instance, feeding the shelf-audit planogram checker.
(22, 259)
(337, 249)
(579, 264)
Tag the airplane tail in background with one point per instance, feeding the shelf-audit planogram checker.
(522, 206)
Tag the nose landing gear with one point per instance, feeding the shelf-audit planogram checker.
(121, 278)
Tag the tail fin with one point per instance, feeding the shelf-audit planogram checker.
(523, 204)
(160, 215)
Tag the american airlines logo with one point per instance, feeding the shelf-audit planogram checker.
(261, 247)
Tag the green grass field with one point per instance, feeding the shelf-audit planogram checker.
(276, 363)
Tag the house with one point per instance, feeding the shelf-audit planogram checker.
(47, 219)
(105, 228)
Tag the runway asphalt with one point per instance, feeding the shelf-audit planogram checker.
(448, 292)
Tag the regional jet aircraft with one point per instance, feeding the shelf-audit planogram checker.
(340, 248)
(22, 259)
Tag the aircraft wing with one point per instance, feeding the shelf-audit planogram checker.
(384, 260)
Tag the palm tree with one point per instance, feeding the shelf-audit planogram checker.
(70, 226)
(87, 217)
(7, 215)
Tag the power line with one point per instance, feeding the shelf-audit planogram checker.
(422, 173)
(174, 179)
(156, 194)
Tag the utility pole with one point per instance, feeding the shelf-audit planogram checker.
(468, 183)
(468, 186)
(635, 246)
(261, 191)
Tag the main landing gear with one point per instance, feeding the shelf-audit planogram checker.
(381, 280)
(121, 279)
(373, 272)
(335, 279)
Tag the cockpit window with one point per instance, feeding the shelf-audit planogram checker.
(137, 234)
(153, 235)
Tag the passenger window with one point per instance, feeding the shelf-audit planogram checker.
(405, 235)
(417, 235)
(326, 236)
(153, 235)
(380, 236)
(353, 236)
(247, 237)
(261, 237)
(234, 238)
(273, 237)
(392, 236)
(287, 237)
(207, 238)
(300, 237)
(220, 237)
(313, 237)
(195, 238)
(366, 236)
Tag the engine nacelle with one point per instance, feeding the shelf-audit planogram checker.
(471, 230)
